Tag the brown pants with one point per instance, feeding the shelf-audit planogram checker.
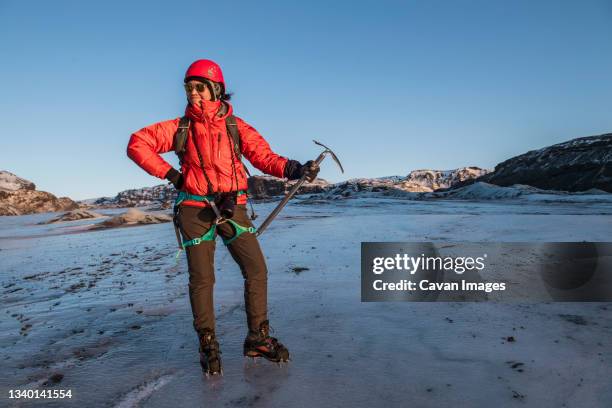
(194, 222)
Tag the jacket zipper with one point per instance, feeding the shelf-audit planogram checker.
(212, 155)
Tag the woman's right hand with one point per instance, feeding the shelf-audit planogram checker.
(175, 177)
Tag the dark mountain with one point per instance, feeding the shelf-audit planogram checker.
(577, 165)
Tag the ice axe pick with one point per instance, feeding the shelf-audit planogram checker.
(296, 186)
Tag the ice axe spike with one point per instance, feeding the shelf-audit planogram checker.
(295, 188)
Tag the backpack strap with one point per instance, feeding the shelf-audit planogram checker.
(232, 129)
(180, 137)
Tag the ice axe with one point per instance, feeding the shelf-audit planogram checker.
(296, 186)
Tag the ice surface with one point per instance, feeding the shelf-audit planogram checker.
(109, 310)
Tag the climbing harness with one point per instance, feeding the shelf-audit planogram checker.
(211, 234)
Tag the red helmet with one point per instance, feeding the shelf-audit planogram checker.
(206, 69)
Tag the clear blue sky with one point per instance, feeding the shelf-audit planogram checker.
(390, 86)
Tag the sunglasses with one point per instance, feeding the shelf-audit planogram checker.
(198, 86)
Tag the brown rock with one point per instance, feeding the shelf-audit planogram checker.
(133, 217)
(262, 187)
(73, 216)
(22, 202)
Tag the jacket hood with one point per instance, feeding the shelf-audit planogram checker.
(210, 110)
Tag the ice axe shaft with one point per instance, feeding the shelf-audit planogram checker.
(295, 188)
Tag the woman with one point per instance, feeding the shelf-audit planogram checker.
(212, 185)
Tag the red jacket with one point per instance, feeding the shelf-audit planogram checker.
(209, 132)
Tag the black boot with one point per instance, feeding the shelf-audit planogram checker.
(260, 344)
(210, 356)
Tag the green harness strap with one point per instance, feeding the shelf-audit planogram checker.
(239, 231)
(183, 196)
(210, 235)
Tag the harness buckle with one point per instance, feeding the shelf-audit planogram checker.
(220, 220)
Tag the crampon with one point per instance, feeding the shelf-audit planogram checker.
(210, 355)
(261, 344)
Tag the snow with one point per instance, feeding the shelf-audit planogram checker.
(109, 310)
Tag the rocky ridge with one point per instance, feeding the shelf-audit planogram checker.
(432, 180)
(579, 164)
(267, 187)
(19, 196)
